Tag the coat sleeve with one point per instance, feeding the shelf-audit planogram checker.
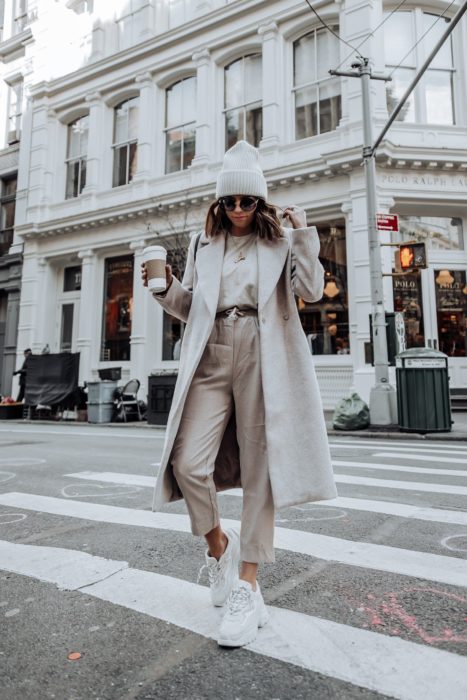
(177, 299)
(307, 271)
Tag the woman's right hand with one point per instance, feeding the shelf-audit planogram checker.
(168, 275)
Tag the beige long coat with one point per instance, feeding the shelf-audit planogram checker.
(298, 452)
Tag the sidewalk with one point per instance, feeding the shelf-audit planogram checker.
(459, 430)
(458, 433)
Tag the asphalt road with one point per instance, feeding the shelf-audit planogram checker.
(368, 594)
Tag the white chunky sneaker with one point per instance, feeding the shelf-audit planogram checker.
(223, 572)
(245, 612)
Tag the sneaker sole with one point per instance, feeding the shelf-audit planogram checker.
(247, 638)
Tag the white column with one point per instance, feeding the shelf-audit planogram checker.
(43, 307)
(98, 40)
(139, 369)
(8, 19)
(204, 111)
(95, 141)
(146, 126)
(272, 70)
(86, 318)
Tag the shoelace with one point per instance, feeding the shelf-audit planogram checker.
(238, 598)
(215, 570)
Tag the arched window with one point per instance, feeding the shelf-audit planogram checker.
(243, 100)
(125, 141)
(432, 101)
(317, 95)
(180, 114)
(76, 155)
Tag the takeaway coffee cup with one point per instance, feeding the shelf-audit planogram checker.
(155, 257)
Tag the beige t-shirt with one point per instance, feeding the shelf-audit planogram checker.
(239, 282)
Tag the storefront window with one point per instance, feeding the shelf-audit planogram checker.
(439, 233)
(118, 301)
(407, 290)
(451, 311)
(326, 323)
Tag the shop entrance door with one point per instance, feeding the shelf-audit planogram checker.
(445, 316)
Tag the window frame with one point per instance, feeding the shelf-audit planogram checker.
(21, 18)
(313, 84)
(81, 159)
(15, 117)
(167, 129)
(243, 106)
(118, 145)
(419, 54)
(8, 199)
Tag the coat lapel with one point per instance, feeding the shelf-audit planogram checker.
(209, 258)
(271, 260)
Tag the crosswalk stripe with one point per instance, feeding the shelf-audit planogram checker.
(137, 434)
(398, 467)
(139, 480)
(401, 485)
(312, 643)
(432, 567)
(402, 510)
(412, 445)
(426, 458)
(115, 478)
(404, 450)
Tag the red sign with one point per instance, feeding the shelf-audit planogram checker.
(387, 222)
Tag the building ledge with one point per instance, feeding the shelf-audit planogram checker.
(14, 43)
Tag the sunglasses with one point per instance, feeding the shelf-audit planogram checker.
(246, 203)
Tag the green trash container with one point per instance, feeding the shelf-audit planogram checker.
(423, 399)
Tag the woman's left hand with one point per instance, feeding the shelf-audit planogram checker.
(296, 216)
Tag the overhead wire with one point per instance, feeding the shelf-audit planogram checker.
(328, 27)
(372, 33)
(421, 38)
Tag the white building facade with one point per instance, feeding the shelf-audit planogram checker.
(127, 111)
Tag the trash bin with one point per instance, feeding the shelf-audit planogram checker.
(100, 401)
(161, 386)
(423, 400)
(101, 392)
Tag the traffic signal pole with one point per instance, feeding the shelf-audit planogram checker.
(383, 400)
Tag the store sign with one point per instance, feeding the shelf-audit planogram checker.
(387, 222)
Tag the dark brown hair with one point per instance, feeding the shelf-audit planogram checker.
(266, 222)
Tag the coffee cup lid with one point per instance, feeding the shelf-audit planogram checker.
(154, 249)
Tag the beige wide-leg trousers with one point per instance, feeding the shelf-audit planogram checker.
(228, 377)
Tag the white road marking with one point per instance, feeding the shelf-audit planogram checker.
(398, 467)
(401, 510)
(412, 445)
(432, 567)
(312, 643)
(21, 461)
(115, 478)
(406, 450)
(401, 485)
(446, 458)
(142, 434)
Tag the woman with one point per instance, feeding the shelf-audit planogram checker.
(246, 408)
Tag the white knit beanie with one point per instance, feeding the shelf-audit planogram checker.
(241, 173)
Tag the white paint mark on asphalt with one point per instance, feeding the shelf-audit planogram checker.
(401, 510)
(316, 644)
(94, 628)
(115, 478)
(401, 485)
(9, 518)
(398, 467)
(412, 446)
(316, 513)
(446, 458)
(22, 461)
(432, 567)
(12, 612)
(455, 543)
(6, 476)
(142, 434)
(96, 490)
(66, 568)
